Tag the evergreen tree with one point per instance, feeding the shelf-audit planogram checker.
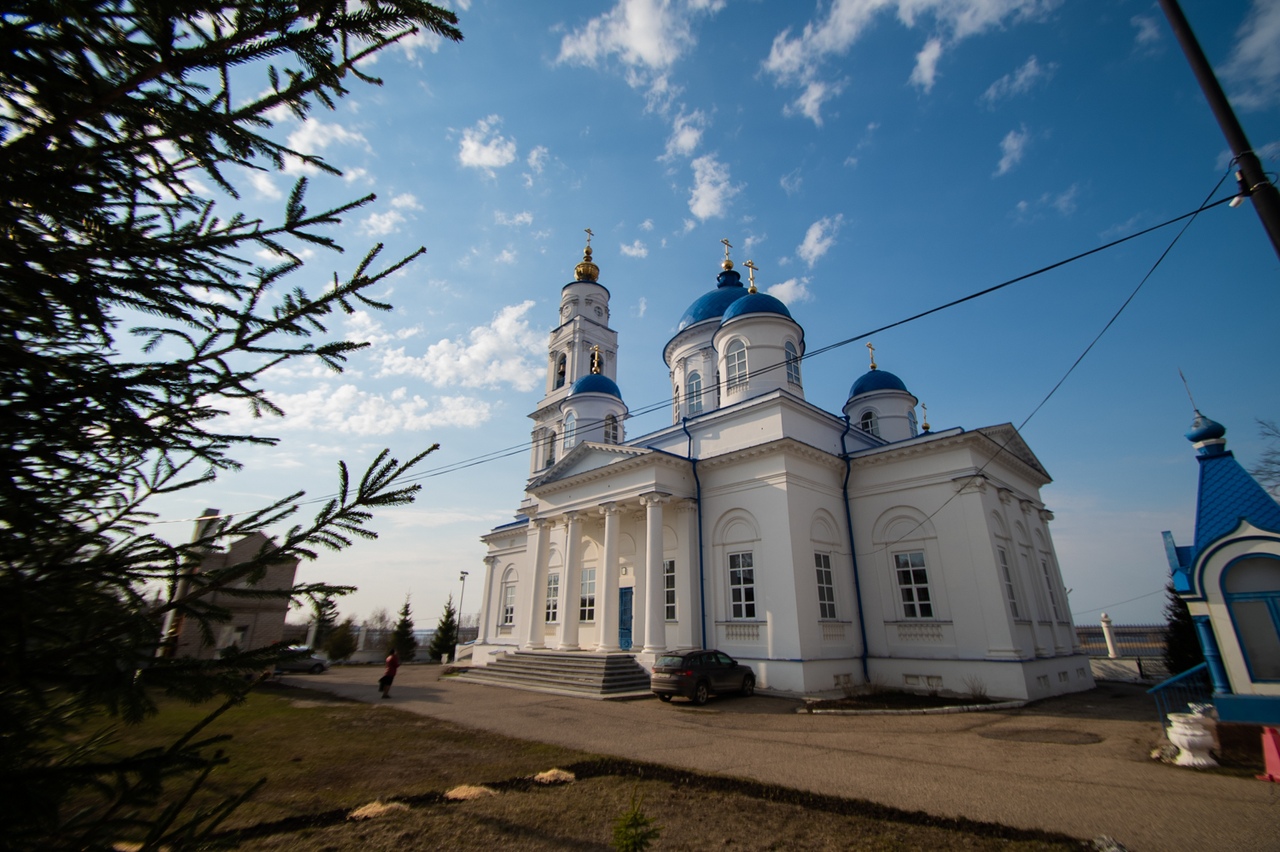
(446, 635)
(342, 641)
(1181, 645)
(324, 614)
(402, 639)
(132, 315)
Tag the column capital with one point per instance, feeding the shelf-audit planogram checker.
(542, 523)
(491, 561)
(574, 516)
(609, 508)
(654, 498)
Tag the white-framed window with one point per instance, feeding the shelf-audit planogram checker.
(610, 429)
(742, 586)
(869, 423)
(669, 588)
(551, 447)
(508, 603)
(913, 584)
(587, 598)
(570, 430)
(913, 423)
(1006, 574)
(793, 363)
(826, 586)
(561, 364)
(693, 392)
(675, 405)
(735, 365)
(1051, 588)
(553, 598)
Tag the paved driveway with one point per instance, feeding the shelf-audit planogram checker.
(1076, 765)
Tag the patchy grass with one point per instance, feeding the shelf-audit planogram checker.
(894, 700)
(324, 758)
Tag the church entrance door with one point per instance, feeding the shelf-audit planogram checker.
(624, 617)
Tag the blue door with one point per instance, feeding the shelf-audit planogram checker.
(624, 618)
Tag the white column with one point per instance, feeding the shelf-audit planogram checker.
(535, 630)
(638, 588)
(570, 583)
(486, 605)
(1109, 636)
(655, 622)
(607, 585)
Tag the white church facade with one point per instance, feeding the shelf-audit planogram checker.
(826, 551)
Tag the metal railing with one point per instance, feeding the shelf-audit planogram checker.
(1178, 692)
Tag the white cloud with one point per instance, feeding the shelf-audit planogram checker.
(751, 242)
(405, 201)
(712, 188)
(346, 409)
(504, 352)
(1018, 82)
(645, 37)
(646, 225)
(926, 70)
(636, 249)
(641, 308)
(1254, 66)
(1148, 27)
(506, 256)
(686, 133)
(819, 239)
(264, 185)
(791, 181)
(483, 147)
(801, 60)
(381, 224)
(524, 217)
(791, 291)
(537, 159)
(363, 326)
(1065, 202)
(1012, 147)
(313, 137)
(689, 225)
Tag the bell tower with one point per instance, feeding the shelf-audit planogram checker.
(581, 345)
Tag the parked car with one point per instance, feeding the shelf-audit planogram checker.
(313, 663)
(697, 675)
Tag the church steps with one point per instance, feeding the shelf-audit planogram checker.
(583, 673)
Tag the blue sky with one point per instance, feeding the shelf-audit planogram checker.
(875, 158)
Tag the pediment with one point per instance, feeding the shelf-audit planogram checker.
(585, 458)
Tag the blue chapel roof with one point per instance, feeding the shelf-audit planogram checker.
(1228, 495)
(595, 383)
(716, 302)
(756, 303)
(876, 380)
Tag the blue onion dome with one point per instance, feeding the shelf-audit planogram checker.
(756, 303)
(877, 380)
(1204, 429)
(714, 304)
(595, 383)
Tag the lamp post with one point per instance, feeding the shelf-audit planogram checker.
(458, 635)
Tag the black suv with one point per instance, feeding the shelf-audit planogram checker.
(698, 674)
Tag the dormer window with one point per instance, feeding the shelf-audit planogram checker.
(870, 423)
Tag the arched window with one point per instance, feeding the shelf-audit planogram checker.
(675, 406)
(869, 423)
(793, 363)
(570, 430)
(551, 447)
(735, 365)
(693, 392)
(911, 420)
(610, 429)
(561, 365)
(508, 616)
(1252, 590)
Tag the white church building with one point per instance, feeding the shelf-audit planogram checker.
(826, 551)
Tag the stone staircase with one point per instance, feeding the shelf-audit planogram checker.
(601, 676)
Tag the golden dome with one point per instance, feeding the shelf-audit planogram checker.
(586, 271)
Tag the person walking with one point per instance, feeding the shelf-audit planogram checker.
(384, 682)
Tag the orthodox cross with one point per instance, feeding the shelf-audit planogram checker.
(727, 246)
(589, 235)
(925, 424)
(872, 350)
(595, 359)
(751, 274)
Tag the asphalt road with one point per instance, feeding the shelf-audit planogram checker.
(1077, 765)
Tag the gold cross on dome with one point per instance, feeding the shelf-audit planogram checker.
(727, 246)
(589, 235)
(595, 359)
(872, 350)
(751, 275)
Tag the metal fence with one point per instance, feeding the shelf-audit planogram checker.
(1178, 692)
(1132, 640)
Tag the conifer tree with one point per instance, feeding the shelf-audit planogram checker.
(402, 638)
(446, 635)
(342, 641)
(1181, 645)
(324, 613)
(132, 315)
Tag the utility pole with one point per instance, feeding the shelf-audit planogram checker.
(1254, 182)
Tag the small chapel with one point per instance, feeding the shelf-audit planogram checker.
(827, 551)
